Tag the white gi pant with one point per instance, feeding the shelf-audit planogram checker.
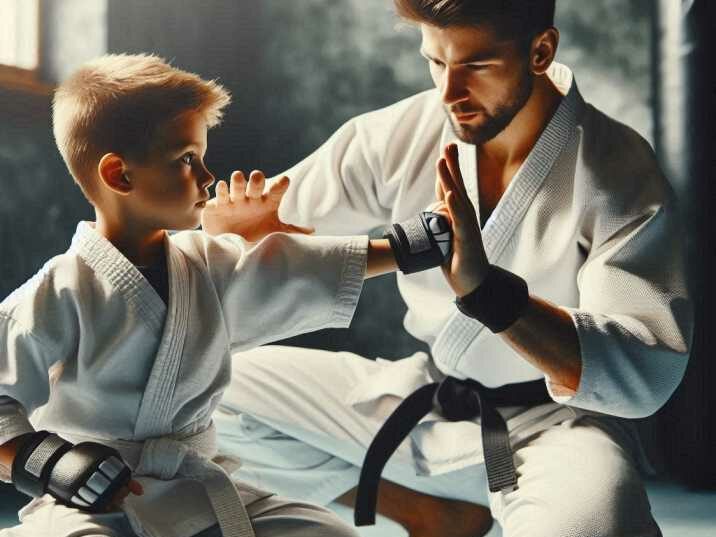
(271, 517)
(284, 417)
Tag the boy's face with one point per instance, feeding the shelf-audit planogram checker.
(170, 186)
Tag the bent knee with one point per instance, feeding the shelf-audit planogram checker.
(298, 519)
(623, 510)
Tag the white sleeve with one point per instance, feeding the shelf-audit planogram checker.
(286, 284)
(342, 188)
(24, 381)
(634, 319)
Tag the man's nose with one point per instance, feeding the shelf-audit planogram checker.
(453, 87)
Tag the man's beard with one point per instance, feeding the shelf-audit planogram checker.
(496, 121)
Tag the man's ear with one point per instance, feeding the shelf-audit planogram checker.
(543, 51)
(112, 173)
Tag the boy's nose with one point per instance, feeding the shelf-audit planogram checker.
(207, 179)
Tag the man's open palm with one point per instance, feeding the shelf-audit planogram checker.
(243, 208)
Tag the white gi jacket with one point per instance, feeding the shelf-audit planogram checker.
(588, 220)
(93, 351)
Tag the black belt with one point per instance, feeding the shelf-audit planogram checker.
(455, 400)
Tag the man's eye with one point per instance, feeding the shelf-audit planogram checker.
(188, 158)
(478, 67)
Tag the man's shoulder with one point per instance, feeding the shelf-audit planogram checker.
(617, 156)
(421, 107)
(610, 140)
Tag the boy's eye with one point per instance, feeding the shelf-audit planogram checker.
(188, 158)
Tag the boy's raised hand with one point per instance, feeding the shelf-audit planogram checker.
(243, 208)
(468, 265)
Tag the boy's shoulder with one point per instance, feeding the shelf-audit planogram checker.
(63, 271)
(46, 304)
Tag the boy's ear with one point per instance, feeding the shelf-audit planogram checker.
(112, 172)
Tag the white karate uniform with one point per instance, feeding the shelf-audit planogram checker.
(90, 351)
(588, 220)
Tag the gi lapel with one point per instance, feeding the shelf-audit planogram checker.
(460, 331)
(109, 263)
(154, 417)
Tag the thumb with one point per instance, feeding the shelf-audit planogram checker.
(135, 487)
(290, 228)
(279, 188)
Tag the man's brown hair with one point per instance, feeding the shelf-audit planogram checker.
(116, 103)
(510, 19)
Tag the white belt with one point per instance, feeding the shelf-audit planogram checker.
(189, 457)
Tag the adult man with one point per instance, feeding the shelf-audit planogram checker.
(568, 199)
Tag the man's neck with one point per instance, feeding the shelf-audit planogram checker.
(510, 148)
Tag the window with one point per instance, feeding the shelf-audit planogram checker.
(20, 45)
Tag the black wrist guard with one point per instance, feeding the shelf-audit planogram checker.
(498, 301)
(85, 476)
(420, 243)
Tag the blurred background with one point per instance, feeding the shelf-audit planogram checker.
(298, 69)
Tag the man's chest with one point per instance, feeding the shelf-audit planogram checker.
(492, 182)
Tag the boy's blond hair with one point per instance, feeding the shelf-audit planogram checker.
(115, 103)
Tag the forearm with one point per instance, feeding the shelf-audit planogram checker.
(8, 451)
(381, 259)
(545, 336)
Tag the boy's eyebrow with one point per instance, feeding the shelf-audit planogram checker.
(180, 146)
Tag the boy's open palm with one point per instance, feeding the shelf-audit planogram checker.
(243, 208)
(468, 265)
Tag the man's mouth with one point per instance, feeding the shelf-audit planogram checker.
(463, 117)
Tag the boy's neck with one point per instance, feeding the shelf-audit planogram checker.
(142, 246)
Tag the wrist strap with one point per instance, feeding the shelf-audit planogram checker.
(35, 458)
(498, 301)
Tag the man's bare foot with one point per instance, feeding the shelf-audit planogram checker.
(428, 516)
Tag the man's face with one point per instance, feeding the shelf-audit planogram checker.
(483, 81)
(170, 186)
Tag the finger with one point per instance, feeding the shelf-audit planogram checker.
(278, 188)
(135, 487)
(255, 188)
(433, 206)
(443, 210)
(238, 185)
(222, 193)
(439, 190)
(445, 178)
(453, 213)
(453, 163)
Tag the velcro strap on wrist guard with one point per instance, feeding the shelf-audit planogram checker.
(34, 459)
(85, 476)
(498, 301)
(420, 243)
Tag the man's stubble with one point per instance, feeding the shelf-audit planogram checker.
(498, 119)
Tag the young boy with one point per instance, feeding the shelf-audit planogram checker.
(120, 347)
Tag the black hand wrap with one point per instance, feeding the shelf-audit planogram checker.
(455, 400)
(420, 243)
(499, 300)
(85, 476)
